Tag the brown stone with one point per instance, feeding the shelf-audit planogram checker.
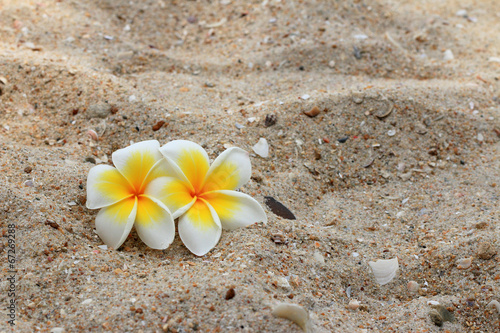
(313, 112)
(486, 251)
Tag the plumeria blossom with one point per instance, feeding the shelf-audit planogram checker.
(203, 196)
(126, 196)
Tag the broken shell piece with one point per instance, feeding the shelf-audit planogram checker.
(494, 304)
(353, 304)
(261, 148)
(384, 270)
(295, 313)
(313, 112)
(413, 286)
(464, 263)
(93, 134)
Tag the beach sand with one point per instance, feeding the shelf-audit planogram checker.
(402, 160)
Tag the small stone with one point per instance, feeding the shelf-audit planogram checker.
(413, 286)
(494, 304)
(331, 64)
(448, 55)
(230, 294)
(464, 263)
(320, 259)
(261, 148)
(391, 132)
(57, 330)
(353, 304)
(28, 169)
(87, 301)
(480, 137)
(279, 238)
(158, 125)
(313, 112)
(283, 283)
(343, 140)
(270, 120)
(486, 251)
(357, 98)
(90, 159)
(98, 110)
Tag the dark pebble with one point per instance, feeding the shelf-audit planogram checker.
(356, 52)
(301, 68)
(90, 159)
(158, 125)
(52, 224)
(342, 140)
(230, 294)
(28, 169)
(270, 120)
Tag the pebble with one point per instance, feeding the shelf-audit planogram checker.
(57, 330)
(295, 313)
(305, 96)
(357, 98)
(331, 64)
(28, 169)
(313, 112)
(448, 55)
(230, 294)
(391, 132)
(158, 125)
(87, 301)
(319, 257)
(278, 208)
(356, 52)
(353, 304)
(283, 282)
(486, 251)
(270, 120)
(480, 137)
(29, 183)
(343, 140)
(413, 286)
(93, 135)
(98, 110)
(132, 98)
(464, 263)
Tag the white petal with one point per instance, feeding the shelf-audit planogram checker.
(230, 170)
(136, 162)
(190, 157)
(235, 209)
(113, 223)
(384, 270)
(199, 228)
(172, 192)
(106, 186)
(154, 223)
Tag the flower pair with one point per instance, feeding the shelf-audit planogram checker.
(152, 185)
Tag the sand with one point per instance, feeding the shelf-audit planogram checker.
(401, 161)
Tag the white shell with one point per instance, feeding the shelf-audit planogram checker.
(261, 148)
(353, 304)
(464, 263)
(384, 270)
(295, 313)
(495, 304)
(413, 286)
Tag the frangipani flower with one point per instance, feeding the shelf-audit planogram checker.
(125, 197)
(204, 196)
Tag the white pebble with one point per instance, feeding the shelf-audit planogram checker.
(132, 98)
(480, 137)
(495, 304)
(391, 132)
(448, 55)
(87, 301)
(413, 286)
(331, 64)
(57, 330)
(305, 96)
(353, 304)
(319, 257)
(464, 263)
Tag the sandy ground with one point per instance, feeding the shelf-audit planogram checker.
(420, 183)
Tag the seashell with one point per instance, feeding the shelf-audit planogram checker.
(384, 270)
(313, 112)
(494, 304)
(413, 286)
(464, 263)
(261, 148)
(353, 304)
(295, 313)
(93, 134)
